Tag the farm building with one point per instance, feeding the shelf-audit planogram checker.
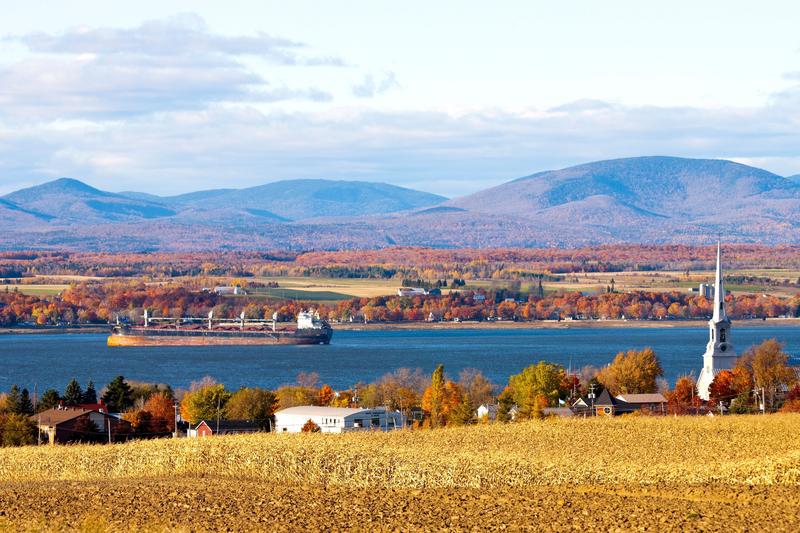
(336, 419)
(655, 403)
(608, 405)
(69, 424)
(411, 291)
(224, 427)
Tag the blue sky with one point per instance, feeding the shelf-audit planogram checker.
(448, 97)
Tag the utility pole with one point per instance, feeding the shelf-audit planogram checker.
(175, 432)
(219, 397)
(591, 396)
(108, 417)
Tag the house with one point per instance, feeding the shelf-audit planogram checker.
(61, 425)
(488, 411)
(582, 406)
(411, 291)
(607, 405)
(224, 427)
(229, 290)
(654, 403)
(337, 419)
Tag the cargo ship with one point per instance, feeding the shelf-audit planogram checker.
(309, 329)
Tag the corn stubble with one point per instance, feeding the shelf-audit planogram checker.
(658, 451)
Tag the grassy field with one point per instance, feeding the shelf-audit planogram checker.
(37, 290)
(664, 473)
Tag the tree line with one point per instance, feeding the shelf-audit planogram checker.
(87, 303)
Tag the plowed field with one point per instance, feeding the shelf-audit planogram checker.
(634, 474)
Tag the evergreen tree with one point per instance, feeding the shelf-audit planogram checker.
(73, 394)
(25, 406)
(49, 400)
(504, 404)
(118, 396)
(90, 395)
(13, 399)
(463, 413)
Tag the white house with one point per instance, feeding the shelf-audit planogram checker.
(411, 291)
(336, 419)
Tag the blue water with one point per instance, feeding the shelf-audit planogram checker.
(52, 360)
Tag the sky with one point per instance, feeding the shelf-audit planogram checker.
(448, 97)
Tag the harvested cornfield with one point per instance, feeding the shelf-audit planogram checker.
(713, 462)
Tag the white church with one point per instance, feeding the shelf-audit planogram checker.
(720, 354)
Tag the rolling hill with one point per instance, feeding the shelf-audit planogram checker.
(72, 201)
(307, 198)
(644, 199)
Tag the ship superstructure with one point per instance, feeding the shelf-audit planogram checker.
(205, 331)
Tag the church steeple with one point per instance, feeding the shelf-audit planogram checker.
(720, 354)
(719, 291)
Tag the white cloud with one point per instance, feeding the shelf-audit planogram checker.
(165, 65)
(238, 146)
(369, 88)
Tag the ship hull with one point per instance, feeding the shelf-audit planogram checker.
(123, 337)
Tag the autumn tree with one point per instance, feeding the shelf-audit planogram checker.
(632, 372)
(433, 398)
(294, 396)
(792, 403)
(325, 395)
(310, 427)
(771, 368)
(18, 430)
(252, 404)
(723, 388)
(536, 385)
(476, 387)
(204, 403)
(683, 398)
(161, 407)
(441, 398)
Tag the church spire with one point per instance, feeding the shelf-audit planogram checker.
(719, 291)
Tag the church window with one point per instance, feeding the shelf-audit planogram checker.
(722, 335)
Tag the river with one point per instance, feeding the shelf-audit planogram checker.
(51, 360)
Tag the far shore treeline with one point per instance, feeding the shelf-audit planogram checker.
(475, 285)
(761, 375)
(98, 303)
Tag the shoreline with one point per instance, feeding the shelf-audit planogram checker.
(433, 326)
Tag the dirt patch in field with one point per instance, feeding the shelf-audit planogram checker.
(202, 503)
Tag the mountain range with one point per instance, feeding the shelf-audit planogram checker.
(645, 199)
